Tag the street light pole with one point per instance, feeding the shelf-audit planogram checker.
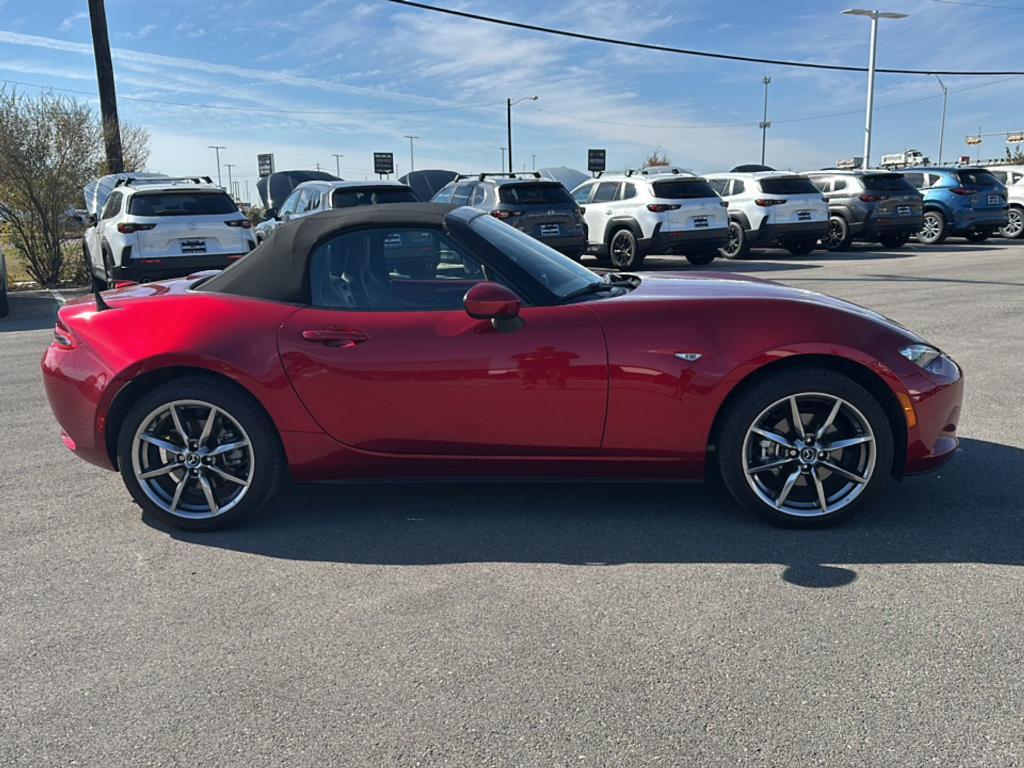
(942, 128)
(412, 156)
(217, 148)
(502, 157)
(337, 164)
(508, 105)
(229, 166)
(765, 125)
(874, 16)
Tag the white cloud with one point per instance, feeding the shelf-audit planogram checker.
(71, 21)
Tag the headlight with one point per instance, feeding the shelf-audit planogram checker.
(932, 360)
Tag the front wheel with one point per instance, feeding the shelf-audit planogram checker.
(802, 247)
(198, 454)
(1014, 228)
(624, 251)
(933, 230)
(701, 258)
(838, 237)
(805, 448)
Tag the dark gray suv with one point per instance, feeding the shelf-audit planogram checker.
(876, 206)
(539, 207)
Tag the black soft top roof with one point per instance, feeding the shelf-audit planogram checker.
(277, 269)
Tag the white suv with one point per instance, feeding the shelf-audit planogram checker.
(771, 208)
(653, 210)
(1013, 177)
(154, 228)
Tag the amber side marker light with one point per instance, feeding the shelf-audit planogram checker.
(908, 409)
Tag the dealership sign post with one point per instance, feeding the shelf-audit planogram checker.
(384, 163)
(596, 160)
(266, 164)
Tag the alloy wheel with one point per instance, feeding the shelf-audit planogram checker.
(1014, 224)
(732, 244)
(623, 249)
(834, 236)
(192, 459)
(809, 454)
(931, 228)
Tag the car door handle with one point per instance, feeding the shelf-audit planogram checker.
(608, 212)
(342, 338)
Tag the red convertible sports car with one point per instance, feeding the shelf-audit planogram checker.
(416, 340)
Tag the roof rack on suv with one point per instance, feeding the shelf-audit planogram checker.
(655, 171)
(506, 174)
(134, 182)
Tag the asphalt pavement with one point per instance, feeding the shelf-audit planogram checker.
(552, 624)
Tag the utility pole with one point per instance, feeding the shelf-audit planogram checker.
(412, 156)
(765, 125)
(534, 162)
(247, 200)
(105, 82)
(508, 107)
(231, 188)
(942, 128)
(217, 148)
(337, 164)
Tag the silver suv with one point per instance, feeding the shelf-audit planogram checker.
(876, 206)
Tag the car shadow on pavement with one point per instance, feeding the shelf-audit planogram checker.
(29, 312)
(972, 511)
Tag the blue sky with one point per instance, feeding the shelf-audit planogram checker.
(309, 78)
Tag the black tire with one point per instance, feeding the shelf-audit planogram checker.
(624, 250)
(5, 307)
(893, 240)
(838, 237)
(978, 237)
(817, 385)
(1014, 229)
(802, 247)
(267, 467)
(737, 246)
(933, 230)
(108, 280)
(701, 258)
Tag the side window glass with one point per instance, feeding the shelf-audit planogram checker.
(916, 179)
(445, 195)
(291, 202)
(737, 187)
(113, 206)
(479, 195)
(838, 184)
(393, 269)
(606, 191)
(628, 191)
(719, 186)
(462, 193)
(315, 196)
(582, 195)
(820, 184)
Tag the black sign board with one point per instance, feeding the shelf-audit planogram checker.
(266, 164)
(595, 159)
(383, 162)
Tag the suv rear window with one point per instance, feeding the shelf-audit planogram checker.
(534, 194)
(977, 179)
(181, 204)
(351, 198)
(892, 182)
(680, 189)
(789, 185)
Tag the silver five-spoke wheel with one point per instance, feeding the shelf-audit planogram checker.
(192, 459)
(809, 454)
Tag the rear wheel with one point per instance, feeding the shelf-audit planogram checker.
(838, 236)
(805, 448)
(701, 258)
(933, 230)
(1014, 228)
(198, 454)
(624, 250)
(736, 246)
(5, 307)
(893, 239)
(978, 237)
(801, 247)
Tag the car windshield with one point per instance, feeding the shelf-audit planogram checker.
(181, 204)
(889, 182)
(682, 189)
(977, 179)
(789, 185)
(559, 274)
(534, 194)
(351, 198)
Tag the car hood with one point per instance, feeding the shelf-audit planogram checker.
(713, 286)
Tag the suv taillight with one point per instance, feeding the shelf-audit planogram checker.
(243, 223)
(873, 198)
(962, 191)
(127, 228)
(661, 207)
(766, 202)
(504, 215)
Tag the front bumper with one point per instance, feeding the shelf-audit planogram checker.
(789, 232)
(932, 440)
(684, 240)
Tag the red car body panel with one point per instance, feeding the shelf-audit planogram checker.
(592, 389)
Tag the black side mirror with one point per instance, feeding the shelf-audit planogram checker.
(270, 213)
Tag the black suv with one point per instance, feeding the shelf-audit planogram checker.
(539, 207)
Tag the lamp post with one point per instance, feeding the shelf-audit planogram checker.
(412, 156)
(337, 163)
(509, 105)
(765, 125)
(874, 16)
(502, 157)
(217, 148)
(942, 127)
(231, 189)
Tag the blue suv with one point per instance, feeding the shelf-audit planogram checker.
(967, 202)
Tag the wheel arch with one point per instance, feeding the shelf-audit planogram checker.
(622, 222)
(740, 218)
(859, 373)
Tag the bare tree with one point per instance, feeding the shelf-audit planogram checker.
(50, 146)
(657, 159)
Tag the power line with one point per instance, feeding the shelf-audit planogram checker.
(689, 51)
(982, 5)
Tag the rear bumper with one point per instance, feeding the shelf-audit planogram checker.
(971, 220)
(685, 240)
(145, 270)
(788, 233)
(871, 228)
(571, 244)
